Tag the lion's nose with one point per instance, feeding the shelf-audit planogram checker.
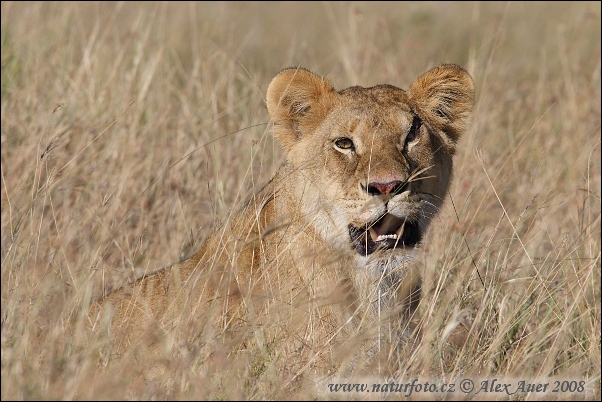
(394, 187)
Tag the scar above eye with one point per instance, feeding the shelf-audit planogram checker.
(353, 125)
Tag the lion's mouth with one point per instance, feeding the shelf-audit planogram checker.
(388, 232)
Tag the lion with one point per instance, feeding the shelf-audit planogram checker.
(325, 254)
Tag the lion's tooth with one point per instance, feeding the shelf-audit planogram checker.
(388, 236)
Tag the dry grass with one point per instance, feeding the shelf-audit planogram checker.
(130, 130)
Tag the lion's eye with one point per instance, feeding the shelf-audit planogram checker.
(414, 130)
(344, 143)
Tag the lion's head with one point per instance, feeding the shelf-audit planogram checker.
(373, 165)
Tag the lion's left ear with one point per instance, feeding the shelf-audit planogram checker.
(444, 97)
(298, 101)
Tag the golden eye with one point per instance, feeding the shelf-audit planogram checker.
(414, 130)
(344, 143)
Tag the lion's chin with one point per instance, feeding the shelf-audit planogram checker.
(388, 232)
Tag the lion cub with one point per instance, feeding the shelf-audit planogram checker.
(319, 261)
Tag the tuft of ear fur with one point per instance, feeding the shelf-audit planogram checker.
(444, 97)
(298, 101)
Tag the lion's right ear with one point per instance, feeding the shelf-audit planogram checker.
(298, 101)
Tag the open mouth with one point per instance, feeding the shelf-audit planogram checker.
(388, 232)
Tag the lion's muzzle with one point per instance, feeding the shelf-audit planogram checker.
(388, 232)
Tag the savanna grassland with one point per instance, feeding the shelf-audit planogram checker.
(131, 130)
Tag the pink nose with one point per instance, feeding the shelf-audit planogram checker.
(384, 188)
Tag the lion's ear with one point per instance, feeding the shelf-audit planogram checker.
(298, 100)
(444, 96)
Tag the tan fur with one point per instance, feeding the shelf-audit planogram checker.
(286, 263)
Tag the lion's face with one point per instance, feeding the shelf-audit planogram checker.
(375, 162)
